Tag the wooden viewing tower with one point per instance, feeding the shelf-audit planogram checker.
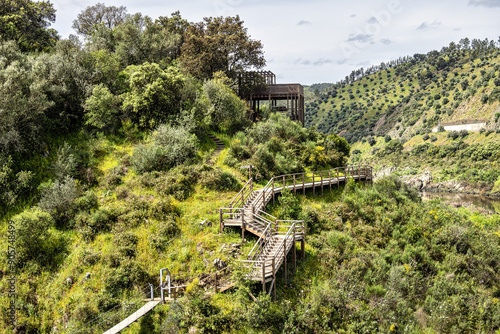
(261, 86)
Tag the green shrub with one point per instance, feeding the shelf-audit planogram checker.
(35, 240)
(57, 199)
(178, 182)
(219, 180)
(126, 243)
(65, 163)
(170, 147)
(13, 185)
(289, 205)
(93, 223)
(87, 202)
(163, 234)
(102, 109)
(453, 134)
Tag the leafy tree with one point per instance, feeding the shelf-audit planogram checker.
(131, 44)
(225, 110)
(153, 94)
(220, 44)
(23, 102)
(27, 23)
(91, 17)
(102, 108)
(165, 37)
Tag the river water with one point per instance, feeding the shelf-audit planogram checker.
(485, 202)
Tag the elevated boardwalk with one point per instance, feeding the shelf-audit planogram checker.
(133, 317)
(278, 238)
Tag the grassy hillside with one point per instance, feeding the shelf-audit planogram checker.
(410, 96)
(471, 159)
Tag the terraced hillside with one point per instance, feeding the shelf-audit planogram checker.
(411, 95)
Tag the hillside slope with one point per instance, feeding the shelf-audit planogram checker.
(411, 95)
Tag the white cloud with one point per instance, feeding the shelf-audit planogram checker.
(304, 23)
(485, 3)
(429, 26)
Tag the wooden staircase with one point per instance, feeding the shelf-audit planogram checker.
(278, 238)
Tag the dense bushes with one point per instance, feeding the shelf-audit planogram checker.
(13, 185)
(169, 147)
(280, 146)
(57, 199)
(387, 263)
(36, 241)
(219, 180)
(400, 263)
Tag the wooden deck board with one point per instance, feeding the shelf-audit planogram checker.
(132, 318)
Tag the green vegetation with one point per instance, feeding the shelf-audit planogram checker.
(107, 172)
(469, 158)
(405, 97)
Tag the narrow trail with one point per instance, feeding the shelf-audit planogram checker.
(219, 146)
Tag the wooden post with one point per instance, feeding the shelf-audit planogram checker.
(273, 190)
(220, 221)
(304, 183)
(294, 192)
(215, 282)
(330, 179)
(264, 276)
(243, 224)
(321, 173)
(314, 188)
(284, 257)
(283, 182)
(274, 280)
(294, 254)
(338, 186)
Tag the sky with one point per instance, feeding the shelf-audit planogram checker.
(316, 41)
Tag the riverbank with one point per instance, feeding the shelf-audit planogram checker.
(426, 182)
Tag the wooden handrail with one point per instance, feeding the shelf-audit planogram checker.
(291, 230)
(240, 196)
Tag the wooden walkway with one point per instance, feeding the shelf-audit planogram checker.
(278, 238)
(133, 317)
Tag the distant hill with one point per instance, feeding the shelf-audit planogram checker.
(411, 95)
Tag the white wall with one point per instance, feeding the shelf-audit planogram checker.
(469, 127)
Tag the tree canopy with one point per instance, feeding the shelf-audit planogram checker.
(27, 23)
(220, 44)
(99, 14)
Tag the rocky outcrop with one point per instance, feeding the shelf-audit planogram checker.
(425, 182)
